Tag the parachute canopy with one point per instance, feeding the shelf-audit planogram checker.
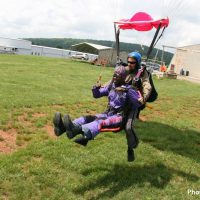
(141, 21)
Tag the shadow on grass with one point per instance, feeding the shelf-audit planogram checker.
(167, 138)
(117, 178)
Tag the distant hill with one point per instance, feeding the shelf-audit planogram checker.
(66, 43)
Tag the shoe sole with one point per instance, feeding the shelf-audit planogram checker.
(56, 122)
(69, 133)
(81, 143)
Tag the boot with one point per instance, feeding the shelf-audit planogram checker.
(82, 140)
(136, 140)
(71, 129)
(130, 154)
(59, 128)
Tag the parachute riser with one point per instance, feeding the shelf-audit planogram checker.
(153, 41)
(117, 32)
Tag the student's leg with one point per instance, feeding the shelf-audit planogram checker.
(91, 130)
(84, 119)
(139, 110)
(74, 127)
(132, 140)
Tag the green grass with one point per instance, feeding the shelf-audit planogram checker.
(33, 88)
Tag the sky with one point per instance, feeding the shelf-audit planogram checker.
(93, 19)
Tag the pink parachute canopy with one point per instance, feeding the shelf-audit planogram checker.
(141, 21)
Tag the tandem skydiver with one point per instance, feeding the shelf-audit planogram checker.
(119, 95)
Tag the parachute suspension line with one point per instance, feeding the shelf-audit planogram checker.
(115, 44)
(184, 5)
(152, 43)
(171, 7)
(159, 36)
(177, 9)
(167, 4)
(166, 7)
(115, 9)
(163, 8)
(117, 32)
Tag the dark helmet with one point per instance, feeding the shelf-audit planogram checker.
(137, 56)
(120, 71)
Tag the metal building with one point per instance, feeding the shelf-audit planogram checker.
(187, 61)
(16, 46)
(25, 47)
(105, 54)
(89, 48)
(49, 52)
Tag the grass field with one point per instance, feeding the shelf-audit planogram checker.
(34, 164)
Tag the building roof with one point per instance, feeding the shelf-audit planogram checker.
(96, 46)
(15, 43)
(89, 48)
(192, 45)
(15, 39)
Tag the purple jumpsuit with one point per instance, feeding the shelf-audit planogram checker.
(113, 116)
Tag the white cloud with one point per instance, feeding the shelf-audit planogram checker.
(94, 19)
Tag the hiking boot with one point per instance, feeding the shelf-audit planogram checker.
(136, 140)
(71, 129)
(130, 154)
(82, 140)
(59, 128)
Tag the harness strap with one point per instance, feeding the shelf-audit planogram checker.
(112, 124)
(139, 73)
(110, 129)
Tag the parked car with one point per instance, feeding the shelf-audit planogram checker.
(150, 66)
(82, 56)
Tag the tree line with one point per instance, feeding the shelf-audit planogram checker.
(66, 43)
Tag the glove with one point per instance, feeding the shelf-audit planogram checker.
(98, 84)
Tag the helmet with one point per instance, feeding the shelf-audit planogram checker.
(137, 56)
(120, 71)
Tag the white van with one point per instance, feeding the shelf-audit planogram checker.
(82, 56)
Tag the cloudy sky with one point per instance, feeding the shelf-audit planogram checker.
(93, 19)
